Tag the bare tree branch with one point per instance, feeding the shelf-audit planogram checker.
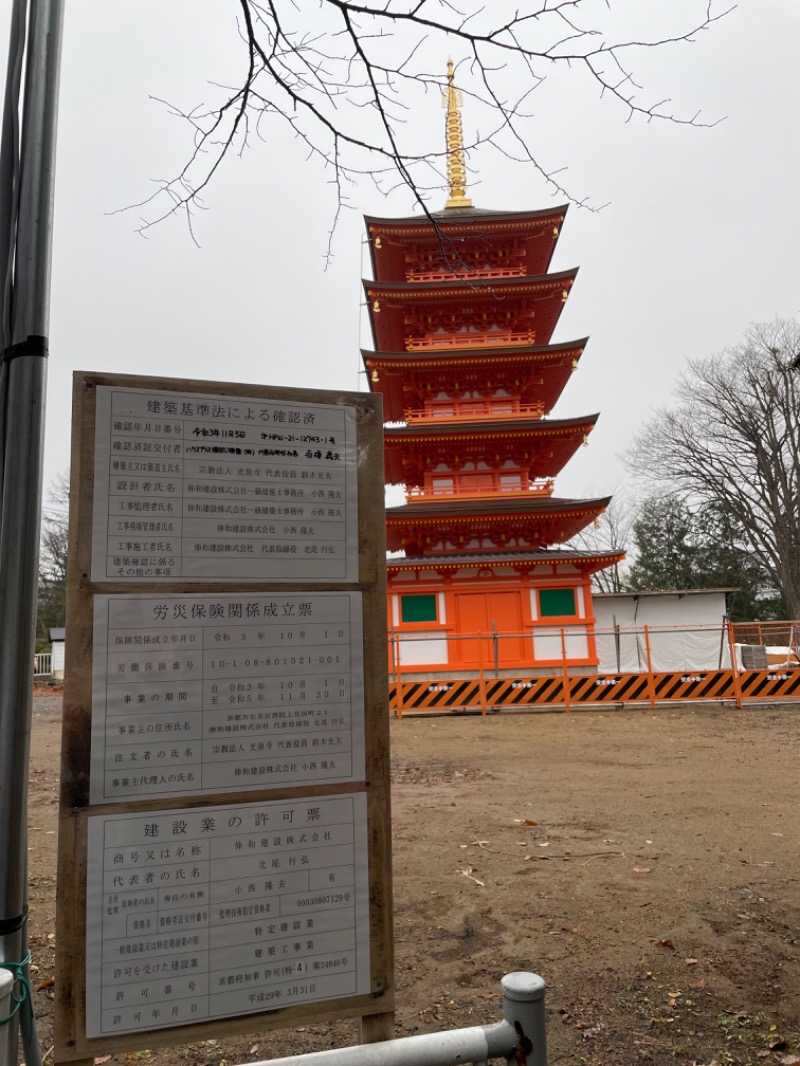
(611, 532)
(732, 440)
(340, 74)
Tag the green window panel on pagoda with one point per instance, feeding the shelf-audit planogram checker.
(418, 608)
(556, 603)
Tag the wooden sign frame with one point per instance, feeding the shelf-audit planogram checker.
(375, 1008)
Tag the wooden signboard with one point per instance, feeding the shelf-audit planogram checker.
(224, 835)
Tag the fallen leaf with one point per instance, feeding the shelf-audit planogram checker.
(253, 1049)
(665, 943)
(543, 844)
(789, 1060)
(641, 869)
(48, 983)
(529, 821)
(690, 962)
(103, 1058)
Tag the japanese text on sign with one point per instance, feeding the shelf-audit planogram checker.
(226, 910)
(210, 693)
(195, 487)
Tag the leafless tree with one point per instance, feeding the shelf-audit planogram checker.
(732, 440)
(341, 74)
(612, 532)
(52, 593)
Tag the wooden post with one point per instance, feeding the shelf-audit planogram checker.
(481, 675)
(567, 706)
(737, 681)
(399, 676)
(651, 681)
(396, 671)
(375, 1027)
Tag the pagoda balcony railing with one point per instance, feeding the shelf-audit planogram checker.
(465, 272)
(489, 339)
(538, 488)
(473, 411)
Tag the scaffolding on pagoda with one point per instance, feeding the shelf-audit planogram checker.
(462, 307)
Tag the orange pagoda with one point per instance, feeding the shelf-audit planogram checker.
(462, 309)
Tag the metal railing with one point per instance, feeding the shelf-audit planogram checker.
(43, 664)
(607, 649)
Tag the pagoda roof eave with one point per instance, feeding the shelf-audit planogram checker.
(522, 353)
(465, 214)
(590, 561)
(500, 427)
(476, 287)
(487, 506)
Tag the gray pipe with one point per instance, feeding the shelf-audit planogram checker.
(519, 1038)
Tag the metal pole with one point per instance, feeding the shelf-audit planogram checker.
(23, 433)
(523, 1008)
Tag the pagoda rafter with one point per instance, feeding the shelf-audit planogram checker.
(504, 456)
(452, 314)
(488, 524)
(485, 243)
(507, 380)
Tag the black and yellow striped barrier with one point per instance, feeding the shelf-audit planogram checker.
(485, 694)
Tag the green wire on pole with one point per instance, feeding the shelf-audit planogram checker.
(21, 992)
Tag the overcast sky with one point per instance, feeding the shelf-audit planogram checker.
(699, 238)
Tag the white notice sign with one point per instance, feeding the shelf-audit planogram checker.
(201, 914)
(196, 488)
(198, 694)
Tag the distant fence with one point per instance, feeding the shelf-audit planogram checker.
(43, 664)
(620, 665)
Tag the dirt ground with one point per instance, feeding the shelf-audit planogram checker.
(646, 865)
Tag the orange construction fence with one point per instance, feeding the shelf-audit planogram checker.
(736, 679)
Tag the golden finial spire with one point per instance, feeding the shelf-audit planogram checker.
(456, 167)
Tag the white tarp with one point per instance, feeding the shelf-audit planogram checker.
(685, 630)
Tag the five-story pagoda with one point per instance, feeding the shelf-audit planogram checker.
(463, 309)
